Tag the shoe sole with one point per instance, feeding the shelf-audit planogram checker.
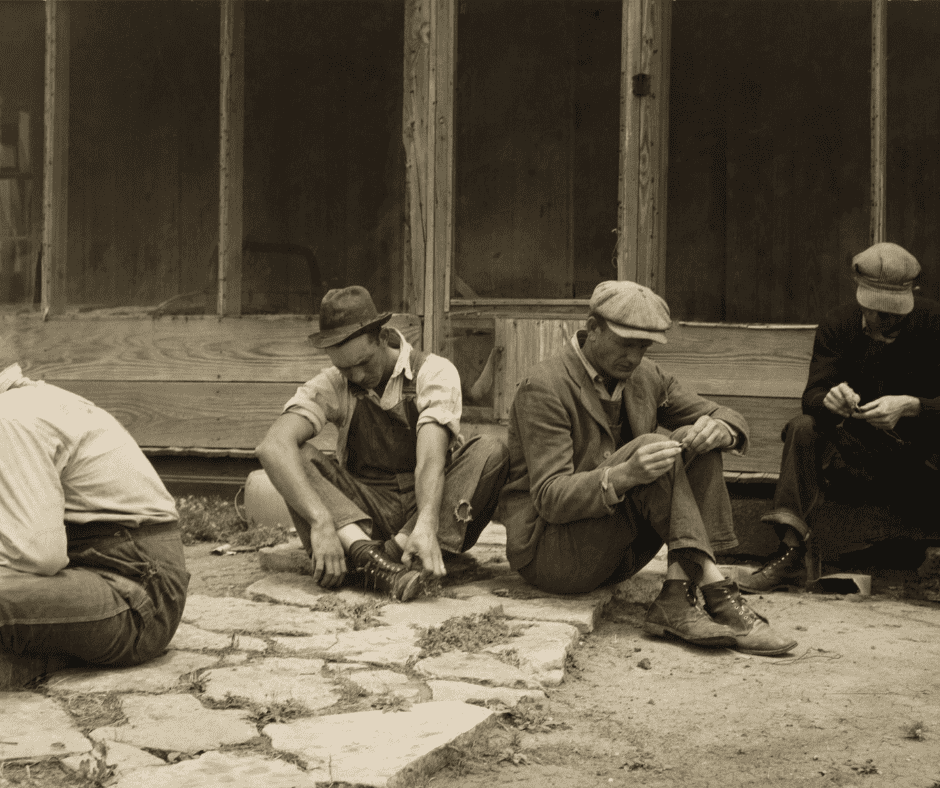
(718, 641)
(766, 653)
(784, 586)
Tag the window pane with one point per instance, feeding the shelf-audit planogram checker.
(22, 53)
(537, 127)
(143, 155)
(913, 168)
(324, 159)
(768, 158)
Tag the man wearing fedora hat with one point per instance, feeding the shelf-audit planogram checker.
(871, 409)
(404, 486)
(594, 490)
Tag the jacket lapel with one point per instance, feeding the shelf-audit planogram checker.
(585, 386)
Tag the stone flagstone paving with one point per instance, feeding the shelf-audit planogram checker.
(284, 674)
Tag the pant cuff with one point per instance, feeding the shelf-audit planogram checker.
(781, 518)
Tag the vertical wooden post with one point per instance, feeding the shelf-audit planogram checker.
(56, 170)
(644, 142)
(439, 207)
(231, 157)
(879, 118)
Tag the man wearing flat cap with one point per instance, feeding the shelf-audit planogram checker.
(594, 489)
(871, 409)
(404, 484)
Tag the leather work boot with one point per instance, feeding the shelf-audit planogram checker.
(724, 603)
(381, 573)
(676, 611)
(785, 568)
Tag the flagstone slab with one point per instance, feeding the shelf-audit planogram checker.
(393, 646)
(292, 589)
(226, 614)
(33, 726)
(220, 770)
(426, 612)
(190, 638)
(123, 757)
(477, 693)
(385, 750)
(382, 682)
(177, 723)
(477, 668)
(273, 680)
(158, 675)
(540, 646)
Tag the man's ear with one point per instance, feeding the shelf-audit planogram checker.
(592, 327)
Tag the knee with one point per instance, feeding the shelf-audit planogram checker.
(497, 454)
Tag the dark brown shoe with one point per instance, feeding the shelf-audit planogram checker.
(381, 573)
(724, 603)
(785, 569)
(676, 611)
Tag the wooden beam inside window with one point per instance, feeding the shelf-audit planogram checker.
(231, 153)
(879, 118)
(55, 174)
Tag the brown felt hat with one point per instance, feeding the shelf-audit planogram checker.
(885, 275)
(344, 313)
(631, 310)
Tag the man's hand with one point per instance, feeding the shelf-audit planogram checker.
(422, 544)
(706, 434)
(328, 558)
(885, 412)
(841, 400)
(651, 461)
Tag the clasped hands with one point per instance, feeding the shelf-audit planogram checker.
(883, 413)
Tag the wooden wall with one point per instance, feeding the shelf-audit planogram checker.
(769, 158)
(537, 119)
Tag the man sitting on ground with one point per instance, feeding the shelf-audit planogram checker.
(91, 561)
(404, 485)
(594, 491)
(871, 410)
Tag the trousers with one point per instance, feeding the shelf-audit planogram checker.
(385, 507)
(687, 507)
(118, 602)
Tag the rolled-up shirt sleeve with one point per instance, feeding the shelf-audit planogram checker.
(320, 400)
(438, 394)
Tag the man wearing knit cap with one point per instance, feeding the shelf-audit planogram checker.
(594, 490)
(871, 409)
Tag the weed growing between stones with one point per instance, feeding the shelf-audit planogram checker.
(210, 518)
(388, 701)
(466, 633)
(94, 711)
(350, 694)
(531, 717)
(362, 615)
(262, 714)
(42, 774)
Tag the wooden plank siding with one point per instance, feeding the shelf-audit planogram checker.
(194, 383)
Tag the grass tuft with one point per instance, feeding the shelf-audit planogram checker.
(466, 633)
(210, 518)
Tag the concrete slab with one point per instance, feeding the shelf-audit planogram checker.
(190, 638)
(292, 589)
(177, 723)
(225, 614)
(390, 646)
(220, 770)
(477, 668)
(477, 693)
(33, 727)
(159, 675)
(273, 680)
(122, 757)
(372, 748)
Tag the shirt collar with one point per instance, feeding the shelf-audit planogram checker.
(403, 365)
(12, 377)
(593, 374)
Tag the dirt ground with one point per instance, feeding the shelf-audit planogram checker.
(856, 704)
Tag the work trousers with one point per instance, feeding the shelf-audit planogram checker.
(815, 457)
(118, 602)
(473, 477)
(687, 507)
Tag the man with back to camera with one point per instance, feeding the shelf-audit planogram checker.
(871, 410)
(91, 561)
(594, 491)
(404, 485)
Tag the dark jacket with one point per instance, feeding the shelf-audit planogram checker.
(559, 434)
